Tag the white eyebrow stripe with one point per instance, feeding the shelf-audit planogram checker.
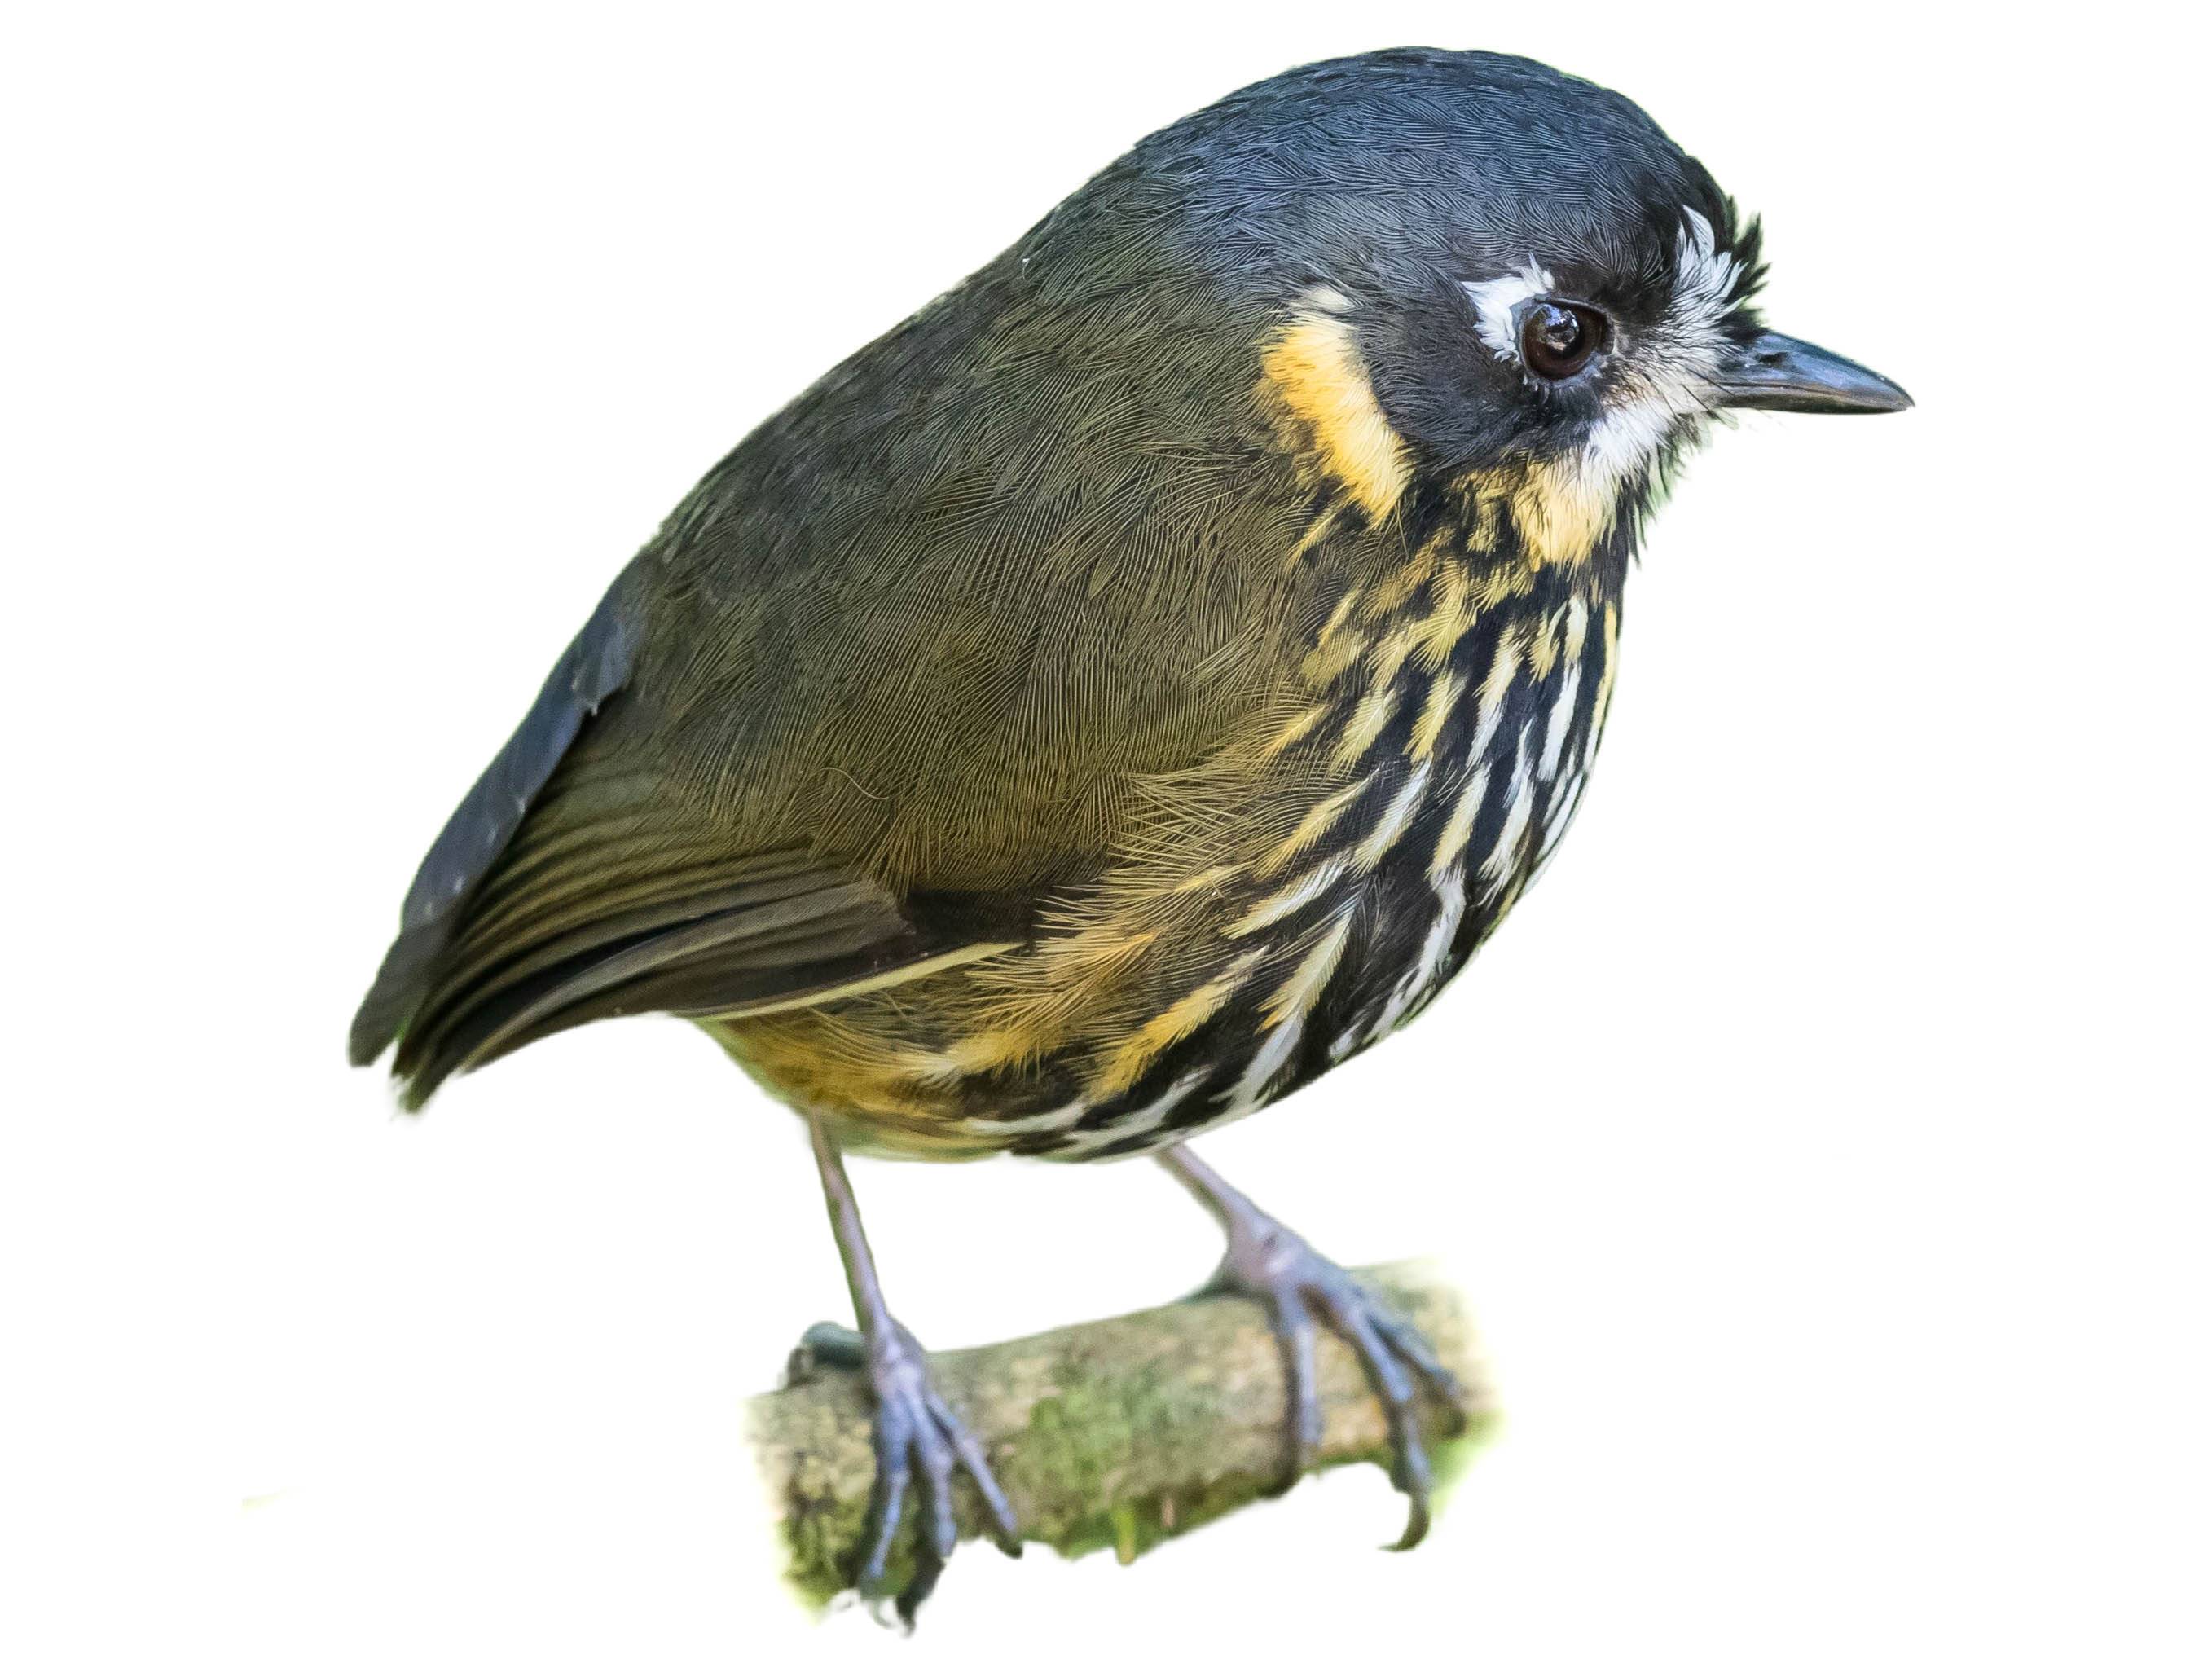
(1703, 277)
(1496, 300)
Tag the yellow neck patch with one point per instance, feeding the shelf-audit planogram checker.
(1317, 378)
(1561, 509)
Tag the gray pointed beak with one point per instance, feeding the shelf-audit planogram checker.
(1775, 372)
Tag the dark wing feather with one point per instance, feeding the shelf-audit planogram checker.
(892, 677)
(766, 941)
(570, 885)
(575, 883)
(596, 666)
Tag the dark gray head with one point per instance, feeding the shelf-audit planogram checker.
(1530, 271)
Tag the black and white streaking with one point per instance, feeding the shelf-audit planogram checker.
(1138, 682)
(1463, 789)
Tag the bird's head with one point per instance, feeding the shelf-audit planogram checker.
(1472, 268)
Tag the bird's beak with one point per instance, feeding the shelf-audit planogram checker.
(1775, 372)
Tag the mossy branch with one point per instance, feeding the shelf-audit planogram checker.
(1120, 1434)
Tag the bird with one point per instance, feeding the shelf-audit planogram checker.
(1134, 685)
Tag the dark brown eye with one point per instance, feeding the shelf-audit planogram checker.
(1557, 339)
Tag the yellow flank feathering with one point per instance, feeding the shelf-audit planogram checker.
(1127, 1063)
(1503, 667)
(1444, 691)
(1369, 717)
(1072, 971)
(1401, 584)
(1544, 649)
(1333, 655)
(810, 1058)
(987, 1050)
(1561, 508)
(1293, 729)
(1339, 616)
(1453, 613)
(1316, 532)
(1505, 581)
(1312, 827)
(1297, 992)
(1451, 840)
(1206, 880)
(1394, 820)
(852, 989)
(1266, 911)
(1482, 528)
(1316, 374)
(1577, 625)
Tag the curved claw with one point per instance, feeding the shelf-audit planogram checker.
(1004, 1533)
(919, 1441)
(1409, 1459)
(1271, 1263)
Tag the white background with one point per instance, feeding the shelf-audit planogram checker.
(1822, 1147)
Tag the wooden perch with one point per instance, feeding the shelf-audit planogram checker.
(1123, 1433)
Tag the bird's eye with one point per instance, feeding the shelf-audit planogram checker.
(1557, 339)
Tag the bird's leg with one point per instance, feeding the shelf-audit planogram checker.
(1299, 1287)
(917, 1436)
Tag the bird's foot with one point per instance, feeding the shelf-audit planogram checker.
(1301, 1289)
(918, 1439)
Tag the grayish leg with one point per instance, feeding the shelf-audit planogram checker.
(917, 1436)
(1299, 1285)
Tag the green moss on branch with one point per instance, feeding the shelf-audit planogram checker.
(1116, 1435)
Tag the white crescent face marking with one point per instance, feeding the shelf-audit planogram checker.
(1496, 301)
(1663, 371)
